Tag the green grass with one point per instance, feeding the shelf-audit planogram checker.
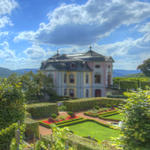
(95, 130)
(117, 117)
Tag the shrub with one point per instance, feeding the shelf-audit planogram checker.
(54, 116)
(70, 113)
(42, 110)
(96, 107)
(89, 103)
(32, 129)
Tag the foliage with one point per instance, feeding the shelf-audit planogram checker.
(57, 141)
(31, 129)
(76, 142)
(11, 103)
(70, 113)
(17, 141)
(145, 67)
(89, 103)
(6, 136)
(136, 121)
(42, 110)
(54, 116)
(96, 107)
(37, 86)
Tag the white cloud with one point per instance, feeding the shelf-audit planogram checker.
(35, 52)
(85, 24)
(5, 52)
(5, 33)
(29, 35)
(5, 20)
(6, 7)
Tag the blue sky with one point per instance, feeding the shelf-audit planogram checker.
(32, 30)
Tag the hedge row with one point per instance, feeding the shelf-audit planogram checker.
(6, 136)
(62, 123)
(42, 110)
(130, 83)
(72, 122)
(100, 114)
(113, 112)
(32, 129)
(89, 103)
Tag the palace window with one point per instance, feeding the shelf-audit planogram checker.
(97, 66)
(109, 80)
(109, 68)
(65, 78)
(71, 92)
(71, 78)
(87, 79)
(97, 78)
(87, 93)
(65, 92)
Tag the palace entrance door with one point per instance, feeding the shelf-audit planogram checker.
(97, 93)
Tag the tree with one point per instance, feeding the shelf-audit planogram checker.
(136, 122)
(12, 110)
(145, 67)
(37, 86)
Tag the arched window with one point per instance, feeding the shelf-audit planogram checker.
(65, 78)
(71, 92)
(87, 79)
(65, 92)
(71, 78)
(87, 92)
(97, 78)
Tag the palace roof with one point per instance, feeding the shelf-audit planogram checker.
(74, 62)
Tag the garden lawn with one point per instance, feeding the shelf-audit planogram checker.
(95, 130)
(117, 117)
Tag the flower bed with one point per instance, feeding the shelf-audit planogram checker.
(57, 121)
(96, 113)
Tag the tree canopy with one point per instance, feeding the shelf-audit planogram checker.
(145, 67)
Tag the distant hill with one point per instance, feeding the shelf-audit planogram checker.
(4, 72)
(136, 75)
(22, 71)
(122, 73)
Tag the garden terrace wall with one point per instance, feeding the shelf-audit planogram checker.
(42, 110)
(89, 103)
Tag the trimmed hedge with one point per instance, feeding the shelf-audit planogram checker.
(71, 123)
(42, 110)
(89, 103)
(6, 136)
(32, 129)
(62, 123)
